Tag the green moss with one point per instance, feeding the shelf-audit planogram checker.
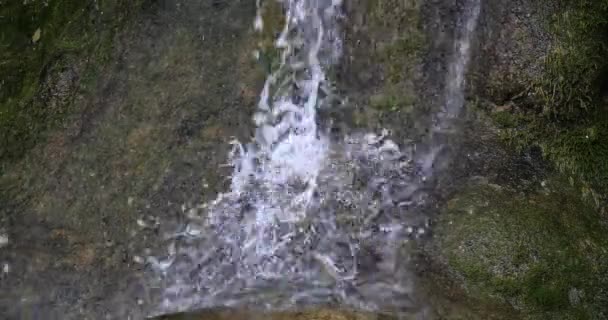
(576, 69)
(403, 54)
(392, 100)
(543, 253)
(400, 44)
(70, 32)
(578, 149)
(565, 113)
(582, 151)
(506, 119)
(388, 46)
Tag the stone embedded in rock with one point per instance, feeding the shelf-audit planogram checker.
(36, 36)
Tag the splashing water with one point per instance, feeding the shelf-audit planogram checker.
(307, 220)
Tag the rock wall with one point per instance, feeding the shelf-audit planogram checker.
(512, 43)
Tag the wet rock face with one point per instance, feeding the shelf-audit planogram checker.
(146, 136)
(536, 251)
(382, 65)
(538, 70)
(513, 41)
(515, 234)
(84, 207)
(513, 231)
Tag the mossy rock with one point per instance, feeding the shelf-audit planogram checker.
(578, 150)
(38, 40)
(544, 253)
(562, 109)
(384, 46)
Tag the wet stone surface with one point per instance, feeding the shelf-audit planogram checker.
(81, 213)
(149, 139)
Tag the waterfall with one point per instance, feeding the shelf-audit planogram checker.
(308, 220)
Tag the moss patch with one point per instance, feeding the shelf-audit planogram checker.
(565, 110)
(576, 69)
(39, 39)
(399, 46)
(544, 253)
(385, 44)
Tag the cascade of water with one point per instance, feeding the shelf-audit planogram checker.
(307, 220)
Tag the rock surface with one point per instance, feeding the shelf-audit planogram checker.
(146, 139)
(510, 237)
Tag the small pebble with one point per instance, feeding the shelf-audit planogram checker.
(36, 36)
(6, 268)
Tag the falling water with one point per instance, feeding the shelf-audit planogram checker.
(308, 220)
(445, 122)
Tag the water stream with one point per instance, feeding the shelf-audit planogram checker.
(309, 219)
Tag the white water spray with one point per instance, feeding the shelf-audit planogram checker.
(307, 220)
